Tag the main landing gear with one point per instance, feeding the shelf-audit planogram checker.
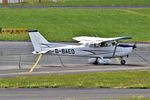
(96, 61)
(101, 61)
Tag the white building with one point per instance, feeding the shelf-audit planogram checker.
(12, 1)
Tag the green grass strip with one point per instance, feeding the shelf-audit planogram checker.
(121, 79)
(88, 2)
(133, 98)
(63, 24)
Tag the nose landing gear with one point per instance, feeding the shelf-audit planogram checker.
(123, 62)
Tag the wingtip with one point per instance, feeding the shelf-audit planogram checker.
(128, 37)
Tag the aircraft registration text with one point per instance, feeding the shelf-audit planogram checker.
(65, 51)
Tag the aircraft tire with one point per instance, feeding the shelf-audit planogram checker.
(123, 62)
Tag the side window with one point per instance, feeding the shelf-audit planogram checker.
(113, 43)
(94, 45)
(103, 44)
(91, 45)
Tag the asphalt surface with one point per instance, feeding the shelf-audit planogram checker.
(16, 59)
(72, 94)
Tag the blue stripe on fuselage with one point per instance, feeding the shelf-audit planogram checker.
(124, 45)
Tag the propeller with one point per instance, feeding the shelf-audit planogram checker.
(134, 46)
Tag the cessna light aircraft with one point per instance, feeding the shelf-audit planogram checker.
(99, 50)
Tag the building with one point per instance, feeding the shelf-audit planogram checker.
(11, 1)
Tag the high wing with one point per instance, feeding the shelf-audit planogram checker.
(95, 40)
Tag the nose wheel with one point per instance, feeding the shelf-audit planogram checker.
(123, 62)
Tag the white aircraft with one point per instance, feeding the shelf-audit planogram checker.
(99, 50)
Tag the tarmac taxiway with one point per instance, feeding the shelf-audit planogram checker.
(73, 94)
(16, 59)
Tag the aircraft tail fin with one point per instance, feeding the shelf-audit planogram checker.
(37, 40)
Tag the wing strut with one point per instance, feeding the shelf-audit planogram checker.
(61, 61)
(115, 49)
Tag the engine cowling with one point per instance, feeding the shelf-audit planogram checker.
(99, 61)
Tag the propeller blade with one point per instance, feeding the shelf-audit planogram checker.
(134, 46)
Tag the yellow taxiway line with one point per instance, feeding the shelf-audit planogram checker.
(35, 63)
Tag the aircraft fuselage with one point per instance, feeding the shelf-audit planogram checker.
(82, 50)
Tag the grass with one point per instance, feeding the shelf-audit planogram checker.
(89, 2)
(63, 24)
(122, 79)
(134, 98)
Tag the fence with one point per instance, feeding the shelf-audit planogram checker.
(29, 3)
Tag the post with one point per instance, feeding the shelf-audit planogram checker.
(20, 62)
(0, 30)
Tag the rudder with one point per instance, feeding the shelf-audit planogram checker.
(37, 40)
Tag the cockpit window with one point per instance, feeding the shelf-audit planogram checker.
(94, 45)
(103, 44)
(113, 43)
